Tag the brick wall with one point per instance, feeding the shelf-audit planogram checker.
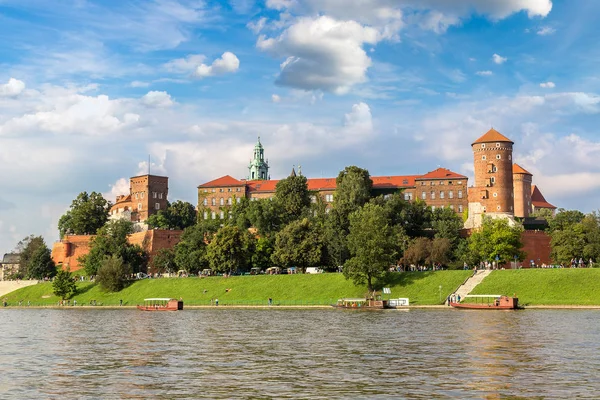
(536, 245)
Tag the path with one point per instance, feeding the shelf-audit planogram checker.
(468, 286)
(10, 286)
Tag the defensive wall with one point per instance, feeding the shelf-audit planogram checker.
(71, 248)
(536, 245)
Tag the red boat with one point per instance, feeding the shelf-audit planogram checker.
(161, 304)
(488, 302)
(361, 304)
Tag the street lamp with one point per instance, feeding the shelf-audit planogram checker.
(440, 291)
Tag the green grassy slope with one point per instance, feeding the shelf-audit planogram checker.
(419, 287)
(545, 286)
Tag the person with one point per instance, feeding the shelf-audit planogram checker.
(216, 302)
(270, 301)
(121, 303)
(449, 300)
(458, 298)
(74, 302)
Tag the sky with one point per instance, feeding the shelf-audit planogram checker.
(90, 90)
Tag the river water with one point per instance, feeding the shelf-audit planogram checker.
(325, 354)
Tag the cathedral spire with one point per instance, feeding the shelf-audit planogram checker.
(258, 168)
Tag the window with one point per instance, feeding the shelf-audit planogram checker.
(213, 215)
(495, 195)
(432, 195)
(142, 195)
(493, 180)
(139, 206)
(498, 208)
(498, 157)
(432, 208)
(213, 201)
(442, 195)
(451, 194)
(229, 189)
(422, 183)
(483, 158)
(451, 207)
(237, 200)
(408, 196)
(221, 201)
(510, 157)
(497, 144)
(450, 182)
(313, 199)
(205, 214)
(460, 182)
(460, 194)
(329, 198)
(137, 195)
(222, 215)
(154, 194)
(460, 209)
(157, 206)
(221, 190)
(405, 181)
(441, 182)
(423, 195)
(160, 195)
(483, 208)
(205, 190)
(229, 201)
(387, 196)
(237, 190)
(205, 202)
(432, 183)
(214, 190)
(483, 145)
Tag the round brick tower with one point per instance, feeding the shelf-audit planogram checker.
(493, 173)
(522, 189)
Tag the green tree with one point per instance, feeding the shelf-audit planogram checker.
(564, 219)
(261, 256)
(292, 197)
(41, 265)
(230, 250)
(113, 274)
(26, 248)
(373, 245)
(353, 190)
(190, 252)
(299, 245)
(567, 244)
(164, 261)
(418, 251)
(496, 238)
(177, 215)
(446, 224)
(87, 214)
(63, 284)
(441, 251)
(111, 240)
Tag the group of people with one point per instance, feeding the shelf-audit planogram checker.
(453, 298)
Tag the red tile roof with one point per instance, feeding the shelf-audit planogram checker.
(493, 136)
(222, 181)
(538, 200)
(442, 173)
(517, 169)
(392, 182)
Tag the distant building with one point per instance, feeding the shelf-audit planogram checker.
(147, 195)
(258, 168)
(9, 265)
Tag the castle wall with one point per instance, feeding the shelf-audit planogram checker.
(522, 191)
(493, 176)
(536, 245)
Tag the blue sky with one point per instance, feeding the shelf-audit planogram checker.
(89, 89)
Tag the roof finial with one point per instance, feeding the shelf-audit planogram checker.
(299, 169)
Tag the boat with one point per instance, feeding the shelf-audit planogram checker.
(361, 303)
(488, 302)
(161, 304)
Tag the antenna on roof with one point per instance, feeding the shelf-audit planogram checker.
(148, 164)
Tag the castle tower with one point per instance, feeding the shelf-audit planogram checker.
(148, 195)
(493, 189)
(258, 168)
(522, 190)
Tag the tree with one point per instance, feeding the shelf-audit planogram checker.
(446, 224)
(571, 239)
(496, 239)
(261, 256)
(230, 250)
(373, 245)
(26, 249)
(564, 219)
(417, 252)
(177, 215)
(299, 245)
(113, 274)
(41, 264)
(190, 252)
(87, 214)
(164, 261)
(441, 250)
(112, 240)
(292, 197)
(353, 190)
(63, 284)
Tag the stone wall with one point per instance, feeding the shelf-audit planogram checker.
(536, 245)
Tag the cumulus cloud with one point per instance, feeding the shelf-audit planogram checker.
(275, 98)
(484, 73)
(257, 26)
(322, 53)
(12, 88)
(228, 63)
(546, 30)
(547, 85)
(185, 65)
(120, 187)
(359, 120)
(498, 59)
(157, 99)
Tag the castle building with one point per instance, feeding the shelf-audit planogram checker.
(147, 196)
(522, 189)
(258, 168)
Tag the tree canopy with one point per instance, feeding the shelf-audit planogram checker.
(292, 197)
(87, 214)
(113, 274)
(299, 244)
(497, 240)
(35, 258)
(177, 215)
(230, 250)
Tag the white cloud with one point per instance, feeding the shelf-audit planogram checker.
(359, 120)
(12, 88)
(120, 187)
(546, 30)
(257, 26)
(275, 98)
(139, 84)
(228, 63)
(322, 53)
(548, 85)
(498, 59)
(157, 99)
(185, 65)
(484, 73)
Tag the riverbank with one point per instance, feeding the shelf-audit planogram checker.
(422, 288)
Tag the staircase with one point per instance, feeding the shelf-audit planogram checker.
(468, 285)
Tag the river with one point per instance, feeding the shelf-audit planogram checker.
(326, 354)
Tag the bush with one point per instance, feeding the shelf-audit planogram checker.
(113, 274)
(64, 285)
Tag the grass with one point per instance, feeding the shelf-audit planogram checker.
(422, 288)
(545, 286)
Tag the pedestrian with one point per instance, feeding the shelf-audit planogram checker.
(121, 303)
(458, 298)
(270, 301)
(216, 302)
(448, 300)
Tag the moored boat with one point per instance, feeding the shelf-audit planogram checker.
(361, 303)
(161, 304)
(488, 302)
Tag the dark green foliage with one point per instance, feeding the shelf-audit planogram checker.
(178, 215)
(373, 245)
(299, 244)
(87, 214)
(63, 285)
(261, 257)
(164, 261)
(497, 238)
(353, 190)
(190, 252)
(230, 250)
(113, 274)
(111, 240)
(446, 224)
(574, 236)
(564, 219)
(35, 259)
(292, 198)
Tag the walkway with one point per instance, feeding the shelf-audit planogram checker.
(10, 286)
(468, 286)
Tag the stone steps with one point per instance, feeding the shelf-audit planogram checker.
(468, 286)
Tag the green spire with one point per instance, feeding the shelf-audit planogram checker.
(258, 168)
